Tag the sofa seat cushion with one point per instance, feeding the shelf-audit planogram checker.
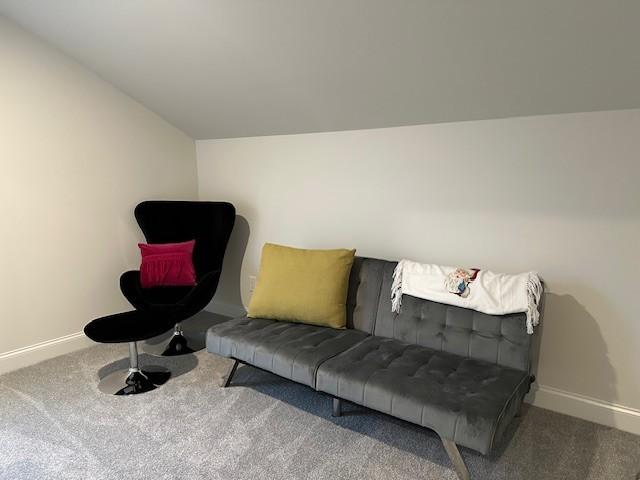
(291, 350)
(465, 400)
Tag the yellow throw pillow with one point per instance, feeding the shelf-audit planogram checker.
(306, 286)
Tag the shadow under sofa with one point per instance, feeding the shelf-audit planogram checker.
(461, 373)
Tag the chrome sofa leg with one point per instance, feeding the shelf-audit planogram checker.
(232, 371)
(337, 407)
(456, 459)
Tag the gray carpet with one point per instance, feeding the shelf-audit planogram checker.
(55, 424)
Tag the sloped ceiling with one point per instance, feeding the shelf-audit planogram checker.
(230, 68)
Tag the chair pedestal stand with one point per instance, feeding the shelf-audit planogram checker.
(177, 344)
(134, 380)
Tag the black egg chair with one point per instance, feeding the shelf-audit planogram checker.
(210, 225)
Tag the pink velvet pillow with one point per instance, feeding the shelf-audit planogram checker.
(167, 264)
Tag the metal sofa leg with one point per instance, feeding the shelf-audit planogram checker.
(456, 459)
(232, 371)
(337, 407)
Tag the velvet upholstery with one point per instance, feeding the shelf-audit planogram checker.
(158, 309)
(127, 327)
(500, 339)
(180, 302)
(365, 282)
(210, 225)
(459, 372)
(291, 350)
(461, 398)
(167, 264)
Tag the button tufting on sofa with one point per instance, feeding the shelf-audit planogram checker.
(461, 373)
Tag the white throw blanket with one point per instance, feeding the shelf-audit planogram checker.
(481, 290)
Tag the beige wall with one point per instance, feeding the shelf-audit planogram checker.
(76, 155)
(558, 194)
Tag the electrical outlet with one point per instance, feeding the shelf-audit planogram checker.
(252, 283)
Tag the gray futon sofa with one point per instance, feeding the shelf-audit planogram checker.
(459, 372)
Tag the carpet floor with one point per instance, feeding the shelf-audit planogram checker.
(55, 424)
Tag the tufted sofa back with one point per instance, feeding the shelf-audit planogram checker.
(499, 339)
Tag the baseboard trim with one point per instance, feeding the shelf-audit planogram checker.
(574, 404)
(585, 407)
(25, 356)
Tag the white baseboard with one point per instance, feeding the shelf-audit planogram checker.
(587, 408)
(573, 404)
(25, 356)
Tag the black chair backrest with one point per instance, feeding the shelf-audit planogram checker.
(208, 223)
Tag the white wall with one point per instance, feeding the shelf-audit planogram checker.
(76, 155)
(558, 194)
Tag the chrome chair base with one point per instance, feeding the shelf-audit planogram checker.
(132, 381)
(176, 344)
